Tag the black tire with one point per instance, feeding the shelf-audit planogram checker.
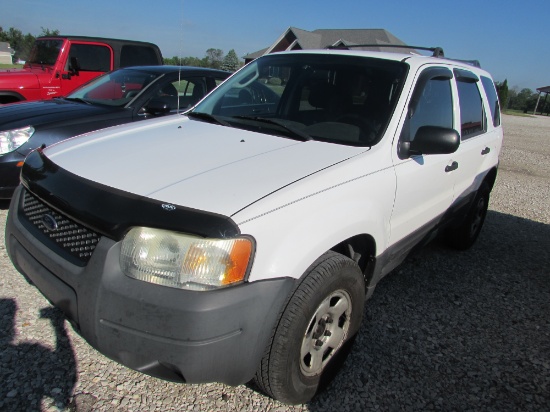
(464, 236)
(321, 318)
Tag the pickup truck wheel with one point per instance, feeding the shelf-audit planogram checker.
(322, 315)
(465, 235)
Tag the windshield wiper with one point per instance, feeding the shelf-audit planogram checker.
(76, 99)
(208, 117)
(294, 131)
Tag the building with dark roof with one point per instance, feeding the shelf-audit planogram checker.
(298, 39)
(541, 90)
(6, 53)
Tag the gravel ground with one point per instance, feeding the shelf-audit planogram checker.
(445, 331)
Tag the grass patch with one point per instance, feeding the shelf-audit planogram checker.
(10, 66)
(517, 113)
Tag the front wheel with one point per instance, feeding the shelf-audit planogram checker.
(323, 314)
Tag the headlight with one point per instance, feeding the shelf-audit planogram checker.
(12, 139)
(182, 261)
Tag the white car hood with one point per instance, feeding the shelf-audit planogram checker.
(193, 163)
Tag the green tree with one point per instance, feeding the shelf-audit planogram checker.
(172, 61)
(48, 32)
(512, 97)
(522, 99)
(502, 90)
(184, 61)
(531, 102)
(19, 42)
(213, 58)
(230, 61)
(22, 43)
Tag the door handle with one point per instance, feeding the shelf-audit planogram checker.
(451, 167)
(485, 151)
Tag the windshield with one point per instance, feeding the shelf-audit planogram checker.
(45, 52)
(328, 97)
(116, 88)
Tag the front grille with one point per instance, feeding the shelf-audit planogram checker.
(73, 238)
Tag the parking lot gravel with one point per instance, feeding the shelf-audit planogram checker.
(445, 331)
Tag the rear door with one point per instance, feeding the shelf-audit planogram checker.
(479, 138)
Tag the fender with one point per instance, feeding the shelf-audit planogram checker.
(18, 84)
(295, 233)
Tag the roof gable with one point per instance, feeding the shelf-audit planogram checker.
(297, 39)
(5, 47)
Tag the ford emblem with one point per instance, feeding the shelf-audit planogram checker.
(49, 222)
(168, 207)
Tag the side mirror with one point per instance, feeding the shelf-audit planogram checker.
(74, 68)
(431, 140)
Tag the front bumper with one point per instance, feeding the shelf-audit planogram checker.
(178, 335)
(9, 173)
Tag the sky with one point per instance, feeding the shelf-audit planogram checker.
(509, 38)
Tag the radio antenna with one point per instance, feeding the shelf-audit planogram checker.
(180, 59)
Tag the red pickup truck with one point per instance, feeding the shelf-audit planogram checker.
(59, 64)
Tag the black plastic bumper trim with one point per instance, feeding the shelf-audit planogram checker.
(162, 339)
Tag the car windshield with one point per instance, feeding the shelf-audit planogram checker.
(328, 97)
(44, 52)
(117, 88)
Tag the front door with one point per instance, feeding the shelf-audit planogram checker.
(85, 62)
(425, 183)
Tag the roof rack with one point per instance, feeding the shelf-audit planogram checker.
(437, 51)
(474, 63)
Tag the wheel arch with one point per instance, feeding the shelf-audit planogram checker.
(361, 249)
(10, 97)
(491, 177)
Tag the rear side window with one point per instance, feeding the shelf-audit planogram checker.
(91, 57)
(189, 91)
(132, 55)
(472, 117)
(492, 96)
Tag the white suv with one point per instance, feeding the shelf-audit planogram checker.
(240, 241)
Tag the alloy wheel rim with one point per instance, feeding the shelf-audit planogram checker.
(478, 217)
(327, 330)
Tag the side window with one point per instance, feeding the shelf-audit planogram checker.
(191, 90)
(435, 106)
(491, 93)
(472, 117)
(131, 55)
(431, 104)
(183, 93)
(91, 57)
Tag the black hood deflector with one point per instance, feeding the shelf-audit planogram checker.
(112, 212)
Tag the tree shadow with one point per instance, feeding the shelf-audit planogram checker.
(456, 330)
(31, 371)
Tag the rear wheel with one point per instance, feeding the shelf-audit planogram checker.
(323, 314)
(465, 235)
